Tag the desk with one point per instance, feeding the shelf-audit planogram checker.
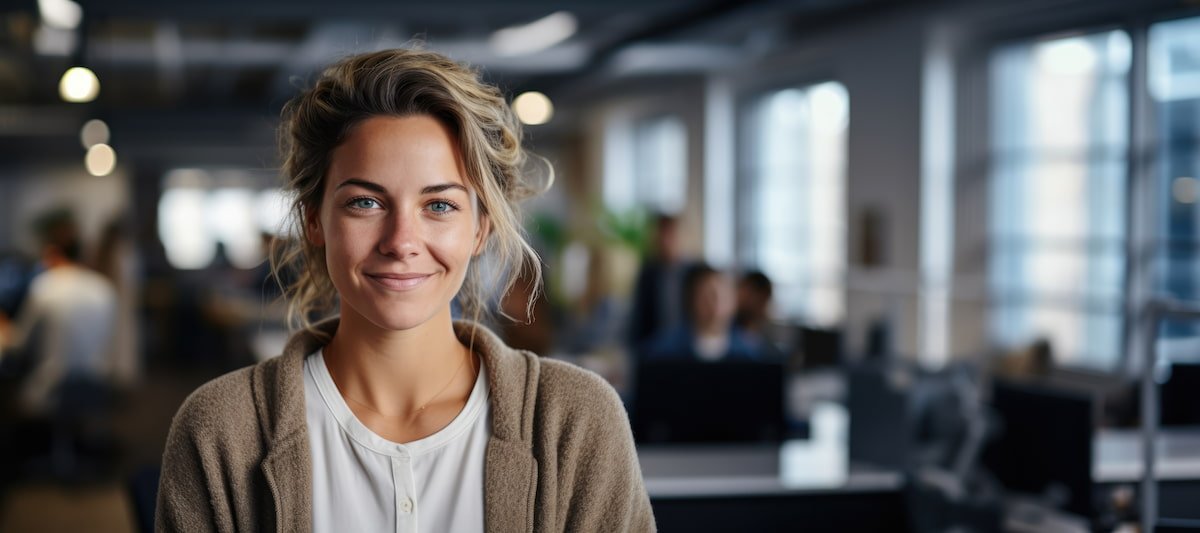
(797, 485)
(1118, 461)
(795, 467)
(810, 483)
(1118, 456)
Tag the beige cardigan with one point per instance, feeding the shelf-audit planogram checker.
(560, 458)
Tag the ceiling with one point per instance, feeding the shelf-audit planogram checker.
(176, 66)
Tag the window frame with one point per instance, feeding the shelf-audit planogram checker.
(1142, 160)
(746, 100)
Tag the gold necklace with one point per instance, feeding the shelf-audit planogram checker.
(421, 408)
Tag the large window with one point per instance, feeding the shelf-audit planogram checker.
(1174, 89)
(203, 221)
(660, 153)
(1058, 198)
(648, 160)
(791, 208)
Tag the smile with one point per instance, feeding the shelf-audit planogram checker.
(399, 282)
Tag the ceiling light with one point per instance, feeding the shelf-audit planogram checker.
(101, 159)
(62, 14)
(533, 108)
(79, 84)
(94, 132)
(535, 36)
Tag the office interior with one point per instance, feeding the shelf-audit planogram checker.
(978, 219)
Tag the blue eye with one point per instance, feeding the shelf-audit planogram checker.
(441, 207)
(364, 203)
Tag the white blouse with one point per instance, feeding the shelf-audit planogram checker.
(364, 482)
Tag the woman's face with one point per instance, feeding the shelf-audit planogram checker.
(397, 221)
(713, 302)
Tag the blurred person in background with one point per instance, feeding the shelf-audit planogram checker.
(708, 332)
(753, 316)
(69, 316)
(658, 289)
(383, 412)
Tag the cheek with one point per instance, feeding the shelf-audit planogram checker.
(343, 247)
(454, 244)
(335, 263)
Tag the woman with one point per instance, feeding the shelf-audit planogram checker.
(708, 332)
(393, 416)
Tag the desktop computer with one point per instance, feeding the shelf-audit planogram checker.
(1043, 445)
(700, 402)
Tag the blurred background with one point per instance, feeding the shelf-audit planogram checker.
(854, 265)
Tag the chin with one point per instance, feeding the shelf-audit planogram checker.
(400, 318)
(394, 312)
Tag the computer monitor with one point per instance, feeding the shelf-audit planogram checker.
(700, 402)
(1179, 405)
(1044, 443)
(820, 348)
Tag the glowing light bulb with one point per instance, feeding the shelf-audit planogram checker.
(101, 159)
(533, 108)
(79, 85)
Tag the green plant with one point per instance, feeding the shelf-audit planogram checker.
(630, 227)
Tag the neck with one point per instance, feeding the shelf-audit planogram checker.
(712, 329)
(395, 371)
(54, 261)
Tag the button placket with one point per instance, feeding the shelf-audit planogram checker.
(406, 515)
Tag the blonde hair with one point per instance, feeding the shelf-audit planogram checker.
(402, 82)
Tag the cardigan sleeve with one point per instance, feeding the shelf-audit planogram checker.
(184, 497)
(607, 492)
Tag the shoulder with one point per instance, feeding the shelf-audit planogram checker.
(568, 381)
(229, 409)
(97, 281)
(41, 283)
(742, 345)
(221, 409)
(555, 396)
(573, 397)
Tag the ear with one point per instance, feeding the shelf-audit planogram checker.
(312, 226)
(481, 234)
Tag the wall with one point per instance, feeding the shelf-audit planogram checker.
(27, 192)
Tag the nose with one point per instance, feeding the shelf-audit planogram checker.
(401, 236)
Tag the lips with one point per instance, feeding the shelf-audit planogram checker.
(399, 282)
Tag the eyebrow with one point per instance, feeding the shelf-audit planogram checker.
(375, 187)
(434, 189)
(369, 185)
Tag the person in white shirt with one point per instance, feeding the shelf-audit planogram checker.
(69, 312)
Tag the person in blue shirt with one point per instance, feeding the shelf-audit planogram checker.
(707, 332)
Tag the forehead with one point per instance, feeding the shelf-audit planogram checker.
(397, 151)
